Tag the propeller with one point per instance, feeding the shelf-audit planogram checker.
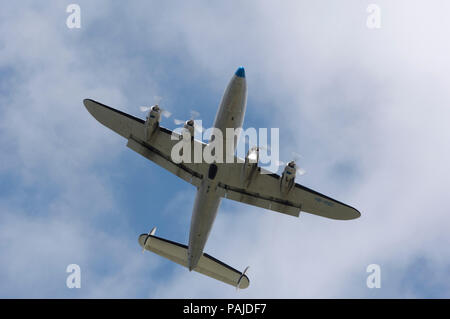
(296, 156)
(157, 99)
(255, 148)
(150, 233)
(260, 147)
(240, 278)
(194, 115)
(295, 159)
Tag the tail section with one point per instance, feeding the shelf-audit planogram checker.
(207, 265)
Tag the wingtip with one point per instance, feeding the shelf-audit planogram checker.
(246, 284)
(357, 214)
(86, 102)
(141, 239)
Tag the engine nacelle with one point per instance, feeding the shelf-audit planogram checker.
(152, 121)
(252, 156)
(288, 177)
(250, 166)
(189, 125)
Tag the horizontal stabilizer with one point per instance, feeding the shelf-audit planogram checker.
(207, 265)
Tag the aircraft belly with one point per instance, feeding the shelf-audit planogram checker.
(229, 115)
(232, 106)
(206, 204)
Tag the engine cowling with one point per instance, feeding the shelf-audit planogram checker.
(288, 177)
(252, 156)
(250, 166)
(189, 125)
(152, 121)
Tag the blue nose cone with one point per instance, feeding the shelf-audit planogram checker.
(240, 72)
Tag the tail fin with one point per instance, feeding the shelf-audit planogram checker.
(207, 265)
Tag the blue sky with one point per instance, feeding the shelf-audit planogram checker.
(366, 109)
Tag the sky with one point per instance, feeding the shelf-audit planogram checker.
(368, 110)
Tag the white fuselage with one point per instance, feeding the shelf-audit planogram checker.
(207, 200)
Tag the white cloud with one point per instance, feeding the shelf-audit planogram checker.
(57, 208)
(367, 109)
(374, 99)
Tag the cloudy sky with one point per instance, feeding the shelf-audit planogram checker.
(368, 110)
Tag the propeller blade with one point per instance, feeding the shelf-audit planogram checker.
(157, 99)
(150, 233)
(261, 147)
(280, 163)
(194, 114)
(242, 276)
(166, 113)
(264, 147)
(145, 108)
(198, 127)
(296, 156)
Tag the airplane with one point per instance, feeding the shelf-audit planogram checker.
(243, 181)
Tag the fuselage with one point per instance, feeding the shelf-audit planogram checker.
(207, 200)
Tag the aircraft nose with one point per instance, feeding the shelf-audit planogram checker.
(240, 72)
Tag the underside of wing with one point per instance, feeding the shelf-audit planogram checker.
(266, 201)
(122, 123)
(322, 205)
(157, 149)
(207, 265)
(260, 188)
(263, 189)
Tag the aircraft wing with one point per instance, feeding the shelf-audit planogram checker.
(264, 191)
(158, 149)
